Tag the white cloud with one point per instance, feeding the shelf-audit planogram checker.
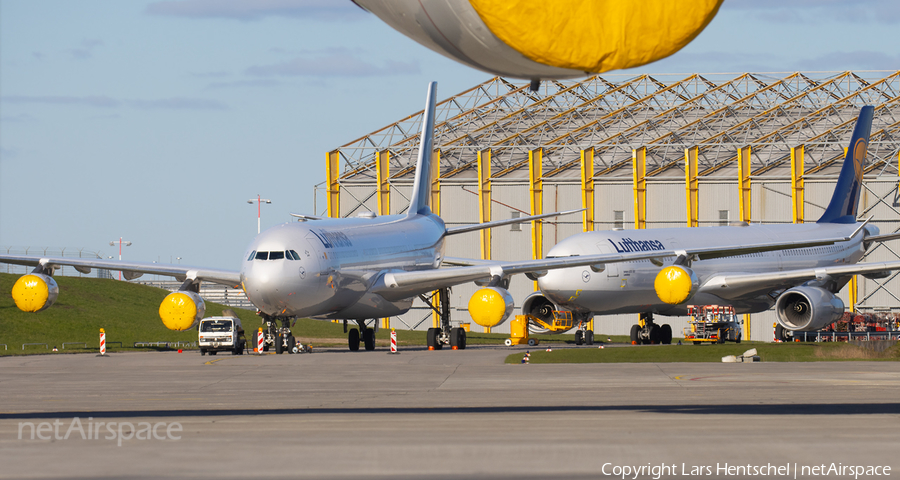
(817, 11)
(334, 63)
(249, 10)
(177, 103)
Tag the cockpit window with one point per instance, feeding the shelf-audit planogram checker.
(262, 255)
(276, 255)
(252, 255)
(294, 255)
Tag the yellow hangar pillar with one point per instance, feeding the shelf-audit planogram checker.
(484, 200)
(535, 176)
(743, 157)
(744, 183)
(853, 293)
(692, 186)
(436, 209)
(639, 169)
(382, 174)
(587, 189)
(332, 172)
(797, 182)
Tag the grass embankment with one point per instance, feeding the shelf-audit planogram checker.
(768, 352)
(129, 313)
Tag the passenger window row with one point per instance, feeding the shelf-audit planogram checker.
(277, 255)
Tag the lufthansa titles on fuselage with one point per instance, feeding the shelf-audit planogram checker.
(629, 245)
(332, 239)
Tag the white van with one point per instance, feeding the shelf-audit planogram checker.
(221, 334)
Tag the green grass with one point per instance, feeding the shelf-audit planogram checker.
(128, 312)
(768, 352)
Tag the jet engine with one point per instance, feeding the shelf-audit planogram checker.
(808, 308)
(491, 306)
(35, 292)
(541, 307)
(675, 284)
(182, 310)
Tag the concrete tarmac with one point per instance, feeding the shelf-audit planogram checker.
(442, 414)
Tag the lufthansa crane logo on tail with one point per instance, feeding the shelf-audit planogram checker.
(859, 157)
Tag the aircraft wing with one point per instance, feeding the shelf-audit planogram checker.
(751, 284)
(508, 221)
(130, 270)
(402, 284)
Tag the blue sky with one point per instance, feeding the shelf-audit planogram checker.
(156, 121)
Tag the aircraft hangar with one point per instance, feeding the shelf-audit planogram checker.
(637, 151)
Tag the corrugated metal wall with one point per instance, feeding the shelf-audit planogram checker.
(771, 203)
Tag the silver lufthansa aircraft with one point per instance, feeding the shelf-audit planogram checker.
(354, 269)
(800, 282)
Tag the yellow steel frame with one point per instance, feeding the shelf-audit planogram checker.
(639, 169)
(587, 189)
(797, 182)
(332, 172)
(436, 209)
(382, 174)
(484, 200)
(854, 293)
(744, 186)
(535, 170)
(692, 186)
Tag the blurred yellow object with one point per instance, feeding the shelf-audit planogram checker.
(596, 35)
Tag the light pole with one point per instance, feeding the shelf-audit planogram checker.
(120, 242)
(259, 201)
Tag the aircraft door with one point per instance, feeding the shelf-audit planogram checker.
(612, 269)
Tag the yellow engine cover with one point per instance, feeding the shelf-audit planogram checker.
(490, 306)
(181, 310)
(675, 284)
(596, 35)
(35, 292)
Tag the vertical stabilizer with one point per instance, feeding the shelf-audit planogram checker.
(422, 187)
(845, 200)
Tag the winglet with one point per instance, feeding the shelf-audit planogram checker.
(422, 187)
(845, 200)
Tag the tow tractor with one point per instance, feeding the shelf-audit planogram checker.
(562, 322)
(713, 323)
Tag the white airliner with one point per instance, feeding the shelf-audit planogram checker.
(801, 282)
(356, 269)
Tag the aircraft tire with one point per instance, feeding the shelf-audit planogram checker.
(291, 343)
(579, 337)
(353, 340)
(655, 334)
(461, 341)
(589, 337)
(279, 344)
(634, 333)
(369, 339)
(666, 334)
(431, 338)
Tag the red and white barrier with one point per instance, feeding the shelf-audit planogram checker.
(260, 341)
(102, 342)
(393, 341)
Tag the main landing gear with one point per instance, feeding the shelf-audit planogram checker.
(437, 337)
(279, 338)
(646, 332)
(354, 337)
(583, 335)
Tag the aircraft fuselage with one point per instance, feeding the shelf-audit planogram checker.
(325, 268)
(628, 287)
